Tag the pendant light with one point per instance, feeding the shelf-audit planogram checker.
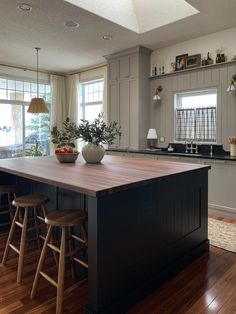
(37, 105)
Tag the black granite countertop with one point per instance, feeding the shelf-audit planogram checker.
(179, 150)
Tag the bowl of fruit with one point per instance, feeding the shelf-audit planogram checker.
(66, 154)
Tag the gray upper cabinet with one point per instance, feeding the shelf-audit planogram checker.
(128, 95)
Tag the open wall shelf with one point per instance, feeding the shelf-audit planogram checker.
(193, 69)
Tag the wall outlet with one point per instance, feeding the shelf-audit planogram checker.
(162, 139)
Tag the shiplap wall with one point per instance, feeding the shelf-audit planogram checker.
(162, 113)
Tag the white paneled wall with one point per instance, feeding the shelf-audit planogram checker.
(162, 113)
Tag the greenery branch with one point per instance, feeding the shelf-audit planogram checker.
(96, 132)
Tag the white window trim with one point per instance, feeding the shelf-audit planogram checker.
(177, 103)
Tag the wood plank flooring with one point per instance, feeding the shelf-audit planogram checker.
(208, 285)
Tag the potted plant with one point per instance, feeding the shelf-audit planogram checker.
(94, 133)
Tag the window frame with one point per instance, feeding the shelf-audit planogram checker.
(24, 103)
(82, 102)
(177, 105)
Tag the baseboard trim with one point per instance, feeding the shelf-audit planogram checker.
(222, 211)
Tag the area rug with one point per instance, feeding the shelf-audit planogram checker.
(222, 234)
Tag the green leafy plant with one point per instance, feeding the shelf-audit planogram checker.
(67, 136)
(35, 151)
(96, 132)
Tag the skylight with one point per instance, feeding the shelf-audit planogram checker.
(139, 16)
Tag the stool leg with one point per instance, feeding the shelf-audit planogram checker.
(10, 205)
(61, 273)
(40, 263)
(44, 210)
(22, 246)
(10, 237)
(71, 248)
(37, 227)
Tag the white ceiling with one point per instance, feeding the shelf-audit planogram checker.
(65, 50)
(138, 15)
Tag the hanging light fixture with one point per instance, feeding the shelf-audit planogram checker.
(37, 105)
(158, 90)
(232, 86)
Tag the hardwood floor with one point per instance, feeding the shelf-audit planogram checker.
(208, 285)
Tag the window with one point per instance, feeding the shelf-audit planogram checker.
(91, 99)
(195, 116)
(19, 130)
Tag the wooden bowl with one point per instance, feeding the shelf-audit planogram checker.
(67, 157)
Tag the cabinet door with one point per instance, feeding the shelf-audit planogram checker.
(124, 68)
(114, 107)
(133, 66)
(113, 71)
(134, 114)
(124, 114)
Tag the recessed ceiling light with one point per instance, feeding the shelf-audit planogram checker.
(71, 24)
(107, 37)
(24, 7)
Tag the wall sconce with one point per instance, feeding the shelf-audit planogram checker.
(152, 138)
(232, 86)
(158, 90)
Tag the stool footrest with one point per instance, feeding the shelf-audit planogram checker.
(41, 218)
(4, 212)
(48, 278)
(54, 248)
(81, 262)
(77, 238)
(19, 224)
(14, 248)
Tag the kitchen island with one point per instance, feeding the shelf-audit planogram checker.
(147, 219)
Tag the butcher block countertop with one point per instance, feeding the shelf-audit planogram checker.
(113, 174)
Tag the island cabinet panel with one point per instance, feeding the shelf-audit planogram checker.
(147, 219)
(141, 236)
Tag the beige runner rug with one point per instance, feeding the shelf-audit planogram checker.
(222, 234)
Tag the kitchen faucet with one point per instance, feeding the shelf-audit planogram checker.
(191, 146)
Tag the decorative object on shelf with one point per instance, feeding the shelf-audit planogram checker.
(158, 90)
(155, 71)
(209, 60)
(203, 62)
(232, 142)
(94, 133)
(172, 66)
(163, 70)
(232, 86)
(222, 57)
(193, 61)
(152, 139)
(180, 62)
(37, 105)
(218, 58)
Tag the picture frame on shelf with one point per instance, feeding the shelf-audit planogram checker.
(180, 62)
(193, 61)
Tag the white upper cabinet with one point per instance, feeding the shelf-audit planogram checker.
(128, 95)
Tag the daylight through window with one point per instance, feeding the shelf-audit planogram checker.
(195, 116)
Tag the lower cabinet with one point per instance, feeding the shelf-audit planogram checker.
(221, 183)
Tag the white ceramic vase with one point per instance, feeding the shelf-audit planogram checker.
(93, 153)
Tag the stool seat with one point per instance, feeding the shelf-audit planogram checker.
(66, 218)
(5, 189)
(30, 200)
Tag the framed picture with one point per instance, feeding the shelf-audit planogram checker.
(193, 61)
(180, 62)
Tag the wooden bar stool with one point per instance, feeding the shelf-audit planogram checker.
(25, 205)
(9, 192)
(65, 220)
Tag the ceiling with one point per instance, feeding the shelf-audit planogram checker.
(66, 50)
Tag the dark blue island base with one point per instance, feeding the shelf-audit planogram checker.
(140, 233)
